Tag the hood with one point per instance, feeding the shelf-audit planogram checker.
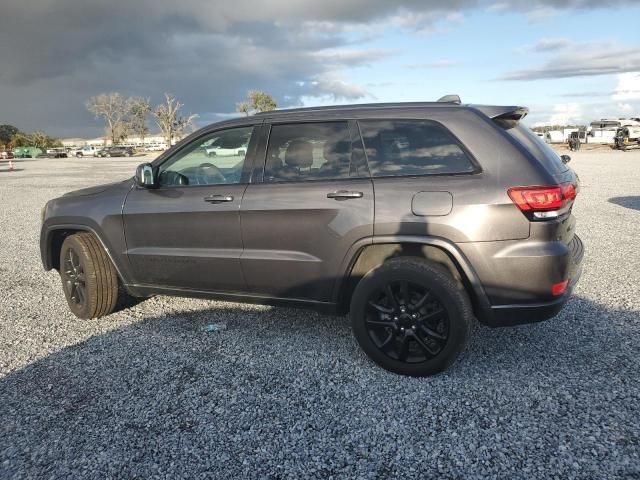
(84, 192)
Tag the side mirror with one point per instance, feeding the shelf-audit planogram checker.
(565, 158)
(144, 176)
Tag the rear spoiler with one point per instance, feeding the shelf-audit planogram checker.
(505, 116)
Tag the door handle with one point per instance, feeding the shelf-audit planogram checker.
(218, 198)
(344, 195)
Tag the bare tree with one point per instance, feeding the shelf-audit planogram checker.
(257, 101)
(138, 109)
(113, 108)
(169, 121)
(243, 107)
(39, 139)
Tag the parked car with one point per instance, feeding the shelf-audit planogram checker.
(156, 147)
(6, 155)
(56, 153)
(117, 151)
(472, 221)
(86, 151)
(229, 148)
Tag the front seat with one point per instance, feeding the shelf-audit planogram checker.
(299, 154)
(273, 167)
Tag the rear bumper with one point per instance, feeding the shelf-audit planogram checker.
(518, 314)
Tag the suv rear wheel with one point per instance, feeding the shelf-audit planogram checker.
(411, 317)
(89, 280)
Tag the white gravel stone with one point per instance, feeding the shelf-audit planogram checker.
(284, 393)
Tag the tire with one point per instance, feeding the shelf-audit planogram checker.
(89, 279)
(428, 327)
(78, 155)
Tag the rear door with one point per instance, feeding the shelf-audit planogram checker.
(312, 202)
(186, 233)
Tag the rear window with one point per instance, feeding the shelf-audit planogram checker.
(412, 147)
(534, 144)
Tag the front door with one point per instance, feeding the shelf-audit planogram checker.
(186, 233)
(314, 203)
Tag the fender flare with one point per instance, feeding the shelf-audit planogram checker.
(460, 261)
(46, 245)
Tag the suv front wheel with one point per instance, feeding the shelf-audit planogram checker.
(411, 317)
(89, 280)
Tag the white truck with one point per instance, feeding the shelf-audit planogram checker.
(86, 151)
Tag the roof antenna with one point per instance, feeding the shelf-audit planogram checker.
(450, 99)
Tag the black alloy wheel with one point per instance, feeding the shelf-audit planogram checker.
(89, 279)
(74, 278)
(407, 322)
(411, 316)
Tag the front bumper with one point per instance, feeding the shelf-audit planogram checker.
(518, 314)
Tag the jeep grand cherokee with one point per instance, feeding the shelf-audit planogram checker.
(414, 218)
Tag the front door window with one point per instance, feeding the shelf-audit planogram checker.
(215, 159)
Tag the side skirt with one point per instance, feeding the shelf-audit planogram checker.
(150, 290)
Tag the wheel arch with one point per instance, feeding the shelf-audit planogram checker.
(55, 236)
(370, 255)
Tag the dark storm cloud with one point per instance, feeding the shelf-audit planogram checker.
(54, 54)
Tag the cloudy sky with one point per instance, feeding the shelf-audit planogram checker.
(569, 61)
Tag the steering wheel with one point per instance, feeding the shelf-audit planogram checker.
(210, 173)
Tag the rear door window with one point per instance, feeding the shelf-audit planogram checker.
(308, 151)
(412, 147)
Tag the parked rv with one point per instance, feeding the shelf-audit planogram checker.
(605, 131)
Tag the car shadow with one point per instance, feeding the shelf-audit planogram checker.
(632, 202)
(169, 394)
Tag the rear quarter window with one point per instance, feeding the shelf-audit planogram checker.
(412, 147)
(526, 138)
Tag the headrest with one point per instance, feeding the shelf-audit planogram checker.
(299, 154)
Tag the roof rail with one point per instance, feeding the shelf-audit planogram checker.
(454, 99)
(450, 99)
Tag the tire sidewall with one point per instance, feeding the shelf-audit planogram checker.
(82, 311)
(442, 286)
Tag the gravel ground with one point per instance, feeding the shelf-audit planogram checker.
(284, 393)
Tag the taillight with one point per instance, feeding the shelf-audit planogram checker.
(559, 288)
(568, 191)
(542, 199)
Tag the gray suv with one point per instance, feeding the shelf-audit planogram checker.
(414, 218)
